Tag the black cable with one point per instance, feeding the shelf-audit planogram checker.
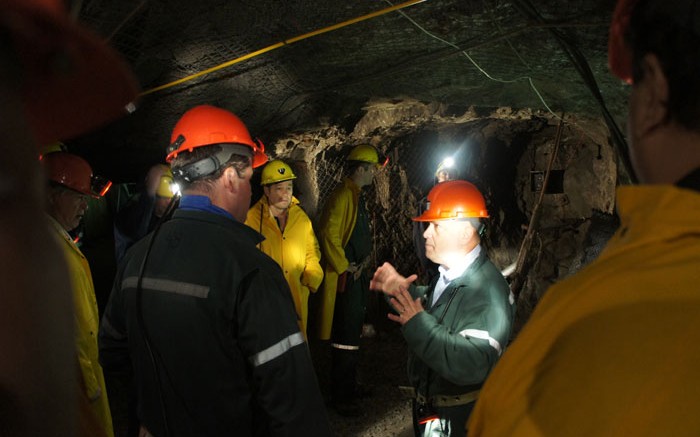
(583, 68)
(139, 312)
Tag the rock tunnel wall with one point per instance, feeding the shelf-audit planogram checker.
(504, 152)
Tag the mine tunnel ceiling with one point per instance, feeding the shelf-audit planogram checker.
(545, 55)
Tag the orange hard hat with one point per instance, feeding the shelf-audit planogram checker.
(72, 81)
(619, 52)
(207, 125)
(454, 200)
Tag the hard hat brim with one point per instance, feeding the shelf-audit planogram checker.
(73, 82)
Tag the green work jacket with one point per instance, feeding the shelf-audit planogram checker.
(453, 356)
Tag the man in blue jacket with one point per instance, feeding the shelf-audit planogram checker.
(205, 318)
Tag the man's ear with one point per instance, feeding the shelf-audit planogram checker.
(653, 91)
(230, 179)
(468, 232)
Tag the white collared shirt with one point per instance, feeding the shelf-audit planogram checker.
(447, 276)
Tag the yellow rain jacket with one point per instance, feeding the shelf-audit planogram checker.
(613, 350)
(296, 251)
(86, 325)
(336, 226)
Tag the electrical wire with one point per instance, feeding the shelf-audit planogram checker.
(139, 314)
(282, 44)
(580, 64)
(478, 67)
(126, 19)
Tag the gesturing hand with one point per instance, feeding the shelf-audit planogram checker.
(405, 305)
(387, 280)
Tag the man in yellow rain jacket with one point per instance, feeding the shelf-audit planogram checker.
(346, 243)
(614, 349)
(289, 235)
(70, 183)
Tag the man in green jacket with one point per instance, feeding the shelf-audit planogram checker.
(613, 350)
(457, 327)
(346, 243)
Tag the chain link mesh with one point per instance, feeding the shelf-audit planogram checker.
(392, 200)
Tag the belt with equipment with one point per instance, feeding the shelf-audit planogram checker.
(440, 400)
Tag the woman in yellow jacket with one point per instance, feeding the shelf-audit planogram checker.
(70, 180)
(289, 235)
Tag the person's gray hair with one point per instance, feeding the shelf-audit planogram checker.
(476, 223)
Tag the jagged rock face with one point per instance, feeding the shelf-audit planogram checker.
(505, 153)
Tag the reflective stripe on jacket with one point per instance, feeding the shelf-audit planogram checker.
(461, 350)
(220, 316)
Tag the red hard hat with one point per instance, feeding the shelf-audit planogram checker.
(206, 125)
(73, 172)
(619, 53)
(68, 170)
(453, 200)
(72, 81)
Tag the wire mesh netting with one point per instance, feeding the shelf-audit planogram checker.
(452, 51)
(391, 201)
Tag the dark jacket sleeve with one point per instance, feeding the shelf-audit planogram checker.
(283, 375)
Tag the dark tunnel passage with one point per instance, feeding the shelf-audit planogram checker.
(503, 154)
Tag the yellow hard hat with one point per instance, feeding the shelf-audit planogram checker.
(364, 153)
(50, 148)
(165, 184)
(276, 171)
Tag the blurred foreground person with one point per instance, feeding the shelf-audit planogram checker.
(70, 184)
(41, 103)
(289, 235)
(204, 317)
(457, 327)
(613, 350)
